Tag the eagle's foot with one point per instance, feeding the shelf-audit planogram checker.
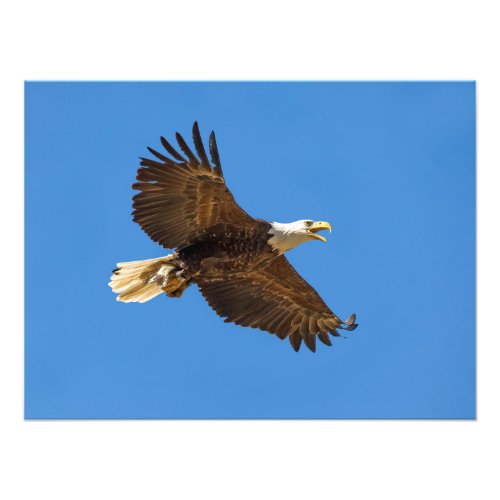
(175, 285)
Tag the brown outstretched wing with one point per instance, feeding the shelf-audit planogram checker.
(278, 300)
(182, 196)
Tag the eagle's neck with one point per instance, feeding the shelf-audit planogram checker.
(284, 237)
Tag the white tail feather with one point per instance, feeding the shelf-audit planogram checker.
(135, 281)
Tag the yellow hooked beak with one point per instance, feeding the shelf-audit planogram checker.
(319, 226)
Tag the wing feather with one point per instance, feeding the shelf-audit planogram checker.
(185, 149)
(168, 147)
(158, 155)
(214, 154)
(295, 339)
(200, 149)
(324, 338)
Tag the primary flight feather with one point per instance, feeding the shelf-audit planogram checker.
(236, 261)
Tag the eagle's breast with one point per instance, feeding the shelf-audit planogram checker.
(229, 248)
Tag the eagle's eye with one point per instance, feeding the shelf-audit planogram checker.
(308, 223)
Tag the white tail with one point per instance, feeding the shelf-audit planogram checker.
(141, 280)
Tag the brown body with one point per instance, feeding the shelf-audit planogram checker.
(227, 249)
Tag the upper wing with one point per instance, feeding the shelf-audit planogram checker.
(278, 300)
(179, 198)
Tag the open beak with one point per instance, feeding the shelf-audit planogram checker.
(319, 226)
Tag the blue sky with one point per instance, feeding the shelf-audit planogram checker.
(390, 165)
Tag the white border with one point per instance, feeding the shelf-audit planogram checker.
(242, 40)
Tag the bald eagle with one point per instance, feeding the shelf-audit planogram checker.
(236, 261)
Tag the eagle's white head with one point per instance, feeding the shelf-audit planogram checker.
(284, 237)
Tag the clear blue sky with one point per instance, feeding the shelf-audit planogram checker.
(390, 165)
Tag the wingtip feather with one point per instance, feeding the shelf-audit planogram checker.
(200, 149)
(214, 154)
